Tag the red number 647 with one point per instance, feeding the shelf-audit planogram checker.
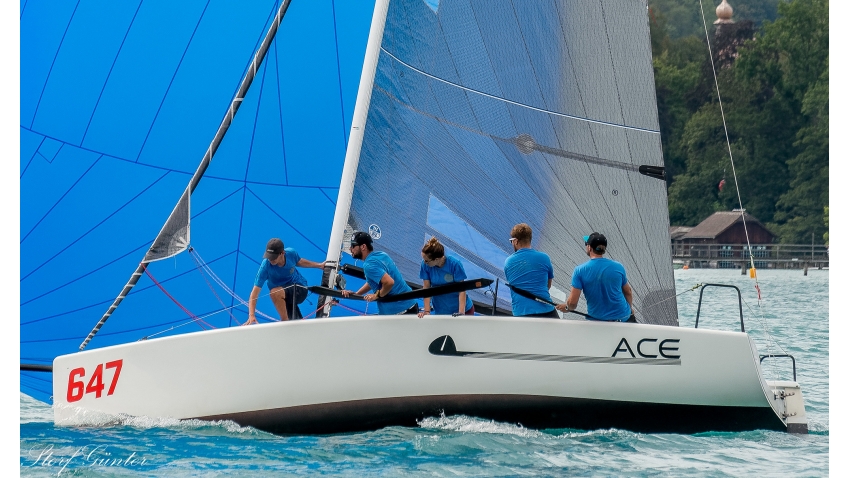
(76, 390)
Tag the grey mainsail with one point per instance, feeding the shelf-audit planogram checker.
(486, 114)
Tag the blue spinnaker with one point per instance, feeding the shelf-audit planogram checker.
(119, 101)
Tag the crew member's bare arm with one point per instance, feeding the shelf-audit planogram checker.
(426, 284)
(572, 300)
(387, 284)
(252, 305)
(307, 263)
(359, 291)
(627, 293)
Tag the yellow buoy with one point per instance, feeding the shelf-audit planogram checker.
(752, 272)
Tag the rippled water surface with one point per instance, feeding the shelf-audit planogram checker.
(467, 446)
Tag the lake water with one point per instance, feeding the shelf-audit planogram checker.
(793, 315)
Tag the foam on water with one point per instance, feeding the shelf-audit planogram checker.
(88, 418)
(37, 412)
(465, 424)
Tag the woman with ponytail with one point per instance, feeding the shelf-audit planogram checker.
(438, 269)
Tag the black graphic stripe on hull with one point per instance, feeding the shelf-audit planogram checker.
(445, 346)
(574, 359)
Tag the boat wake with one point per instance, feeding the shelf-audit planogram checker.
(466, 424)
(80, 417)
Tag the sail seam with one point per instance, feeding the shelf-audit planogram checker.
(37, 152)
(542, 110)
(170, 83)
(172, 170)
(136, 290)
(339, 77)
(273, 211)
(109, 74)
(52, 64)
(96, 226)
(60, 199)
(280, 114)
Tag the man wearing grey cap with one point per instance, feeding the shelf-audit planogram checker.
(603, 281)
(287, 287)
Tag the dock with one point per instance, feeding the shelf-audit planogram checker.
(765, 256)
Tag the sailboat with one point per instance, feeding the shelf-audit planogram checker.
(472, 117)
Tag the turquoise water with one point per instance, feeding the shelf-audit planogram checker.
(467, 446)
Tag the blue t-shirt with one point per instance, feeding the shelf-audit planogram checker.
(374, 267)
(529, 270)
(452, 271)
(602, 280)
(280, 276)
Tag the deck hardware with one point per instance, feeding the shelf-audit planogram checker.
(762, 357)
(740, 305)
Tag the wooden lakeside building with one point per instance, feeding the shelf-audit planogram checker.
(720, 242)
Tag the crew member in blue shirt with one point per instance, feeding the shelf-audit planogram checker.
(382, 276)
(531, 271)
(604, 283)
(439, 269)
(287, 287)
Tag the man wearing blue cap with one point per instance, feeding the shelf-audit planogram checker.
(603, 281)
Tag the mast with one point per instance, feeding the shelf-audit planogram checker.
(352, 154)
(166, 244)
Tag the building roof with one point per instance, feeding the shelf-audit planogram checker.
(676, 232)
(718, 222)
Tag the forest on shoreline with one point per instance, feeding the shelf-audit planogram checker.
(772, 68)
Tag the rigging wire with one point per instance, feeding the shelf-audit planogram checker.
(737, 189)
(194, 317)
(224, 306)
(675, 296)
(203, 267)
(203, 264)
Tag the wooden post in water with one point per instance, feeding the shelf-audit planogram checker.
(813, 247)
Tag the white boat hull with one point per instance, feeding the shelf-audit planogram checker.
(361, 373)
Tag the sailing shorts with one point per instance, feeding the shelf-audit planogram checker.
(295, 294)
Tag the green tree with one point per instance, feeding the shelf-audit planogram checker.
(774, 86)
(788, 63)
(826, 223)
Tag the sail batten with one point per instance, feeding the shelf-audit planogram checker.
(516, 103)
(510, 112)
